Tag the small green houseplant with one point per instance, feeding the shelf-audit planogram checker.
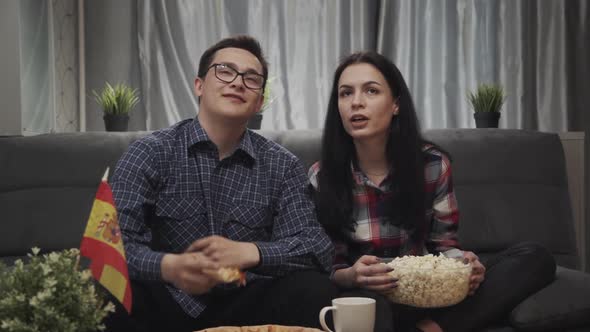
(116, 102)
(487, 101)
(50, 293)
(268, 97)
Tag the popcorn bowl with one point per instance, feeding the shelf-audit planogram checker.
(429, 281)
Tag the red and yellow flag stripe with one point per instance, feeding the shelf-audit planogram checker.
(103, 245)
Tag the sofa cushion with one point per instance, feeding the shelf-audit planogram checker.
(47, 186)
(305, 144)
(511, 186)
(563, 304)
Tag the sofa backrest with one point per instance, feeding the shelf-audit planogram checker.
(47, 187)
(511, 186)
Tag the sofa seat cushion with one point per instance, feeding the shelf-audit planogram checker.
(562, 304)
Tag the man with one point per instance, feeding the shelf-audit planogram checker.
(207, 193)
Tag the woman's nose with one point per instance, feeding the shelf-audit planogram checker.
(357, 100)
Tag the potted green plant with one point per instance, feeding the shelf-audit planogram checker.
(50, 293)
(256, 120)
(116, 103)
(486, 101)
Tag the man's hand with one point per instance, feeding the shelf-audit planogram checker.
(367, 272)
(477, 273)
(188, 272)
(226, 252)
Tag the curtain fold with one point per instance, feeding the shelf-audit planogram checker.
(303, 41)
(36, 68)
(538, 50)
(445, 48)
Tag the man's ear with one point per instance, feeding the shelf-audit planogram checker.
(259, 103)
(198, 87)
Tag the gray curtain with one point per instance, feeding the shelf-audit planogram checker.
(538, 50)
(303, 41)
(36, 63)
(48, 66)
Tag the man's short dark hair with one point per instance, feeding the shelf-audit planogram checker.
(244, 42)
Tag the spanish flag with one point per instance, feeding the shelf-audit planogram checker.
(103, 245)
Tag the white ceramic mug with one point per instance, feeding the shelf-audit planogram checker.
(351, 314)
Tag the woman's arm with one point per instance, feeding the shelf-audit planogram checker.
(445, 212)
(367, 272)
(445, 223)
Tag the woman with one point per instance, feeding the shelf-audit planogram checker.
(373, 202)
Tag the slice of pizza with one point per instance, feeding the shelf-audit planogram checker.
(278, 328)
(261, 328)
(232, 274)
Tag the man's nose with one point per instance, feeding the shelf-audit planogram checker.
(238, 82)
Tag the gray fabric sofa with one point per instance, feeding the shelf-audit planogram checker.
(510, 184)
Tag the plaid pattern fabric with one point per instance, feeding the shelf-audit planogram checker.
(170, 189)
(373, 235)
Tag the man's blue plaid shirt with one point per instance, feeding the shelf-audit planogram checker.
(171, 189)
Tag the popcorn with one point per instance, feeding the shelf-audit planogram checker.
(429, 281)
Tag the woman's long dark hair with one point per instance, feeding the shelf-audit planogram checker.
(404, 153)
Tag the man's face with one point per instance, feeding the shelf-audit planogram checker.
(230, 101)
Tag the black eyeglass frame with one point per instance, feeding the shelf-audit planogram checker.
(237, 73)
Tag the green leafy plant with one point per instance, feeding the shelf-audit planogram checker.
(267, 96)
(487, 98)
(50, 293)
(117, 100)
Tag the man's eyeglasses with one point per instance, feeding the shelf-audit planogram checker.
(228, 74)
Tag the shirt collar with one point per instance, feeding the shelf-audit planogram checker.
(358, 176)
(246, 144)
(362, 179)
(198, 135)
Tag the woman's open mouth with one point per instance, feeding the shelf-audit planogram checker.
(358, 120)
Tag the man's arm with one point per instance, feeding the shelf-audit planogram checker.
(134, 186)
(194, 273)
(298, 241)
(229, 253)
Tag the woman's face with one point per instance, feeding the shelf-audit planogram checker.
(365, 102)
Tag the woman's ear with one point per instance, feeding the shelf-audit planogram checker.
(395, 109)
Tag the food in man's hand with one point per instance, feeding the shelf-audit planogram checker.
(231, 274)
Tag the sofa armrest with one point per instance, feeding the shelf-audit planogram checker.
(562, 304)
